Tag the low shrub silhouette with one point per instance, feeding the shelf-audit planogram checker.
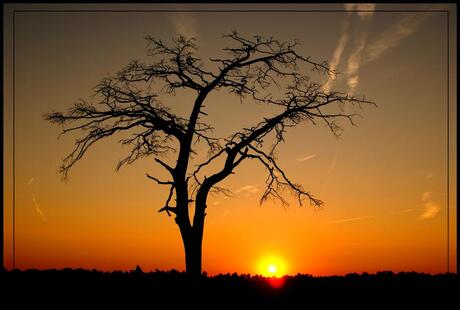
(174, 288)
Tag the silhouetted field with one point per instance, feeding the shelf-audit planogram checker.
(138, 289)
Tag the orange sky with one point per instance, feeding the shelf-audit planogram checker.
(384, 182)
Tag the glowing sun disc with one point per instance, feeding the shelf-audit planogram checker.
(272, 269)
(272, 266)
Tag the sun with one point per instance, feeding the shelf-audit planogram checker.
(272, 266)
(272, 269)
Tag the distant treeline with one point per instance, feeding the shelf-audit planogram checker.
(71, 287)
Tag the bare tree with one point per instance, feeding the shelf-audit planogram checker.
(127, 102)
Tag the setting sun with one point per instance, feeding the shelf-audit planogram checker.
(272, 267)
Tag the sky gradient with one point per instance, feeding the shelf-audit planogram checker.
(384, 182)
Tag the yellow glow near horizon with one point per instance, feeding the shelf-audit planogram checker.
(272, 266)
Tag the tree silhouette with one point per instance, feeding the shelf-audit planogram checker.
(130, 102)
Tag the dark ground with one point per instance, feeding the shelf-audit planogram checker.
(70, 288)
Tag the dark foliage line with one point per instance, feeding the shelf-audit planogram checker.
(227, 290)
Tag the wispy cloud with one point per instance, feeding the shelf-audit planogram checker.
(393, 36)
(354, 62)
(426, 196)
(365, 52)
(30, 181)
(306, 158)
(337, 55)
(248, 188)
(218, 202)
(37, 208)
(431, 209)
(351, 219)
(365, 10)
(185, 24)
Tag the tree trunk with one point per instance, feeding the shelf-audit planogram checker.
(192, 236)
(193, 252)
(193, 258)
(192, 248)
(193, 239)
